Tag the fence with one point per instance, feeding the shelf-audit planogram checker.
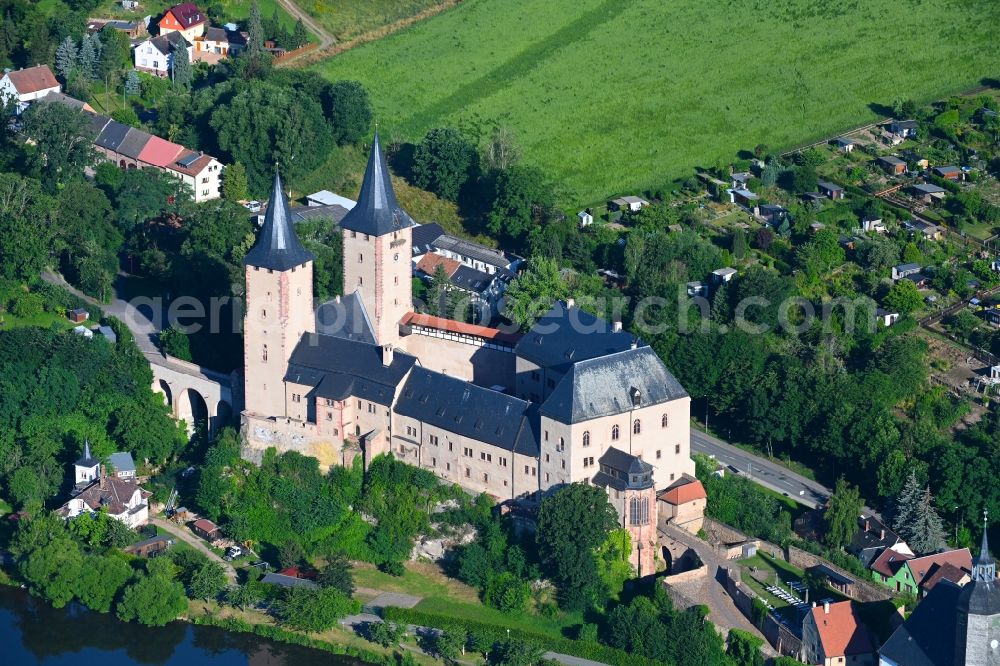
(295, 53)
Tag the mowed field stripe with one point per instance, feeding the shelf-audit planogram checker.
(519, 65)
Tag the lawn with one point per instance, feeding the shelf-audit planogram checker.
(613, 96)
(449, 597)
(345, 19)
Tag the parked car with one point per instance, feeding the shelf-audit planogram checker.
(253, 206)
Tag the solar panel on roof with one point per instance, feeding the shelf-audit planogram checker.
(189, 160)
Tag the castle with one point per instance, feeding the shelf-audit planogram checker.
(575, 399)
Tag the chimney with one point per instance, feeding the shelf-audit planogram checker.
(814, 604)
(387, 355)
(826, 607)
(104, 477)
(868, 525)
(635, 343)
(616, 326)
(570, 303)
(882, 534)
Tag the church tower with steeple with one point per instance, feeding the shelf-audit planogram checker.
(978, 622)
(377, 242)
(278, 310)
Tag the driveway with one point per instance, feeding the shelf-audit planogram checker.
(189, 538)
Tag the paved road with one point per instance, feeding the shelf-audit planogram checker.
(187, 537)
(761, 470)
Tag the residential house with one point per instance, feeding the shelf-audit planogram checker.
(185, 19)
(904, 129)
(914, 576)
(889, 570)
(156, 55)
(845, 144)
(122, 465)
(833, 634)
(424, 236)
(206, 529)
(328, 198)
(902, 270)
(201, 173)
(123, 499)
(66, 100)
(739, 179)
(948, 172)
(723, 275)
(630, 203)
(683, 504)
(830, 190)
(873, 536)
(475, 255)
(585, 218)
(218, 43)
(892, 165)
(24, 86)
(928, 192)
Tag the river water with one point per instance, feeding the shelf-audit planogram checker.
(32, 632)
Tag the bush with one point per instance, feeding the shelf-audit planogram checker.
(393, 568)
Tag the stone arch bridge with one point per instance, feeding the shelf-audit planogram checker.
(196, 394)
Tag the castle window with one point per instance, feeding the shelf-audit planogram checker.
(614, 433)
(361, 281)
(395, 280)
(663, 421)
(329, 416)
(354, 234)
(263, 354)
(468, 472)
(263, 314)
(586, 438)
(486, 478)
(636, 427)
(677, 448)
(638, 508)
(658, 454)
(361, 258)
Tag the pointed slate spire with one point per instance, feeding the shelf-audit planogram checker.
(984, 569)
(87, 460)
(277, 247)
(377, 211)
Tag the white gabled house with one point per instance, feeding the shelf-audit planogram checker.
(156, 55)
(27, 85)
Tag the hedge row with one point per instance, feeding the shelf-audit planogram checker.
(284, 636)
(583, 649)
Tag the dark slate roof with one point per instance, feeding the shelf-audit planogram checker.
(603, 386)
(169, 42)
(469, 279)
(277, 247)
(333, 212)
(288, 581)
(927, 638)
(424, 236)
(864, 539)
(982, 595)
(97, 123)
(377, 213)
(122, 461)
(617, 467)
(345, 317)
(474, 251)
(112, 135)
(133, 143)
(826, 185)
(87, 460)
(565, 335)
(468, 410)
(338, 368)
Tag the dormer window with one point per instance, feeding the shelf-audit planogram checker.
(636, 396)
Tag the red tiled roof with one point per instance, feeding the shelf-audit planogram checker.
(205, 525)
(298, 572)
(429, 262)
(451, 326)
(888, 562)
(922, 567)
(684, 491)
(192, 169)
(159, 152)
(33, 79)
(840, 630)
(187, 14)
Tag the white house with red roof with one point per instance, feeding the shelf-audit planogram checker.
(27, 85)
(186, 19)
(200, 172)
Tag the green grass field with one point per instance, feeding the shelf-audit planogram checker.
(349, 18)
(611, 96)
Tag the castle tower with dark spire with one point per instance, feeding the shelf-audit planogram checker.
(377, 242)
(279, 288)
(978, 622)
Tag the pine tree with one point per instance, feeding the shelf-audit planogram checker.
(66, 58)
(182, 72)
(300, 36)
(8, 40)
(132, 83)
(906, 507)
(739, 244)
(88, 57)
(255, 31)
(928, 536)
(98, 46)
